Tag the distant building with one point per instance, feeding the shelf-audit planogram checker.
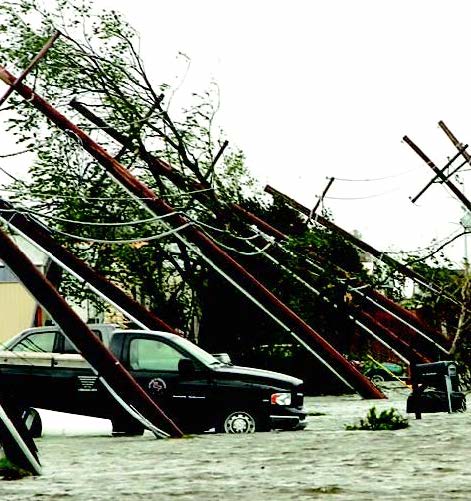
(19, 310)
(17, 306)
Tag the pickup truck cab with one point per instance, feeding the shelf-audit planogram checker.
(198, 391)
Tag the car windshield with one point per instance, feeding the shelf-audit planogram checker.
(199, 353)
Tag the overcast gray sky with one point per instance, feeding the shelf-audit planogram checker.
(313, 89)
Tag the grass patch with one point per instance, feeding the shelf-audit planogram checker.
(9, 471)
(389, 419)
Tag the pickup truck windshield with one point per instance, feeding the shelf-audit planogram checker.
(197, 352)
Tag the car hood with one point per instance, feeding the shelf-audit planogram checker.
(257, 375)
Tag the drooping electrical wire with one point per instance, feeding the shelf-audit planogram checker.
(426, 248)
(237, 251)
(392, 176)
(173, 231)
(95, 223)
(220, 230)
(98, 199)
(376, 195)
(8, 155)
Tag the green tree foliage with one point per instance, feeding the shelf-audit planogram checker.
(96, 61)
(452, 318)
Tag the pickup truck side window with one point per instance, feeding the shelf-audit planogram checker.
(68, 347)
(38, 341)
(153, 355)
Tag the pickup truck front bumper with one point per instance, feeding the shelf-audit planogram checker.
(288, 418)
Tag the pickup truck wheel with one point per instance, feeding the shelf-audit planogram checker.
(33, 422)
(239, 422)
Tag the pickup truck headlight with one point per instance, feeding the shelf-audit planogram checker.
(281, 398)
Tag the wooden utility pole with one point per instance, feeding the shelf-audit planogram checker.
(454, 140)
(373, 296)
(97, 355)
(30, 66)
(321, 198)
(357, 242)
(443, 171)
(202, 191)
(406, 349)
(187, 233)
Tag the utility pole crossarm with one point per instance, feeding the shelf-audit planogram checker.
(459, 195)
(461, 150)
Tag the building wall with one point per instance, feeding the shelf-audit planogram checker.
(17, 309)
(17, 306)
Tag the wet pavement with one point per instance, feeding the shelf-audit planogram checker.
(429, 460)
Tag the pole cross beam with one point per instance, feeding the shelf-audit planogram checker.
(450, 162)
(459, 195)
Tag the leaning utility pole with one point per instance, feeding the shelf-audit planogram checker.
(209, 251)
(200, 191)
(369, 297)
(115, 378)
(454, 140)
(357, 242)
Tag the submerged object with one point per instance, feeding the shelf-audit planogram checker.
(436, 388)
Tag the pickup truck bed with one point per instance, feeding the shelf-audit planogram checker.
(32, 359)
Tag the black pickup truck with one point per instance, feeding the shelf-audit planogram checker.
(41, 369)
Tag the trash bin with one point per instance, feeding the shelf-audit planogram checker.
(436, 388)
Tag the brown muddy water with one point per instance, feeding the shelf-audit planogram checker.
(429, 460)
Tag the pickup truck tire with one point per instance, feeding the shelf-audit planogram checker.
(33, 422)
(240, 421)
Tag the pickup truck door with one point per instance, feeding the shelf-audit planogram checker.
(185, 398)
(26, 369)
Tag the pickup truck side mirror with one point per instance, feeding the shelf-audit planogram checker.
(222, 357)
(186, 367)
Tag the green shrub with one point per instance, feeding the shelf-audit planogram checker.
(9, 471)
(389, 419)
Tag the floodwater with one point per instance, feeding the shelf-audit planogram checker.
(429, 460)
